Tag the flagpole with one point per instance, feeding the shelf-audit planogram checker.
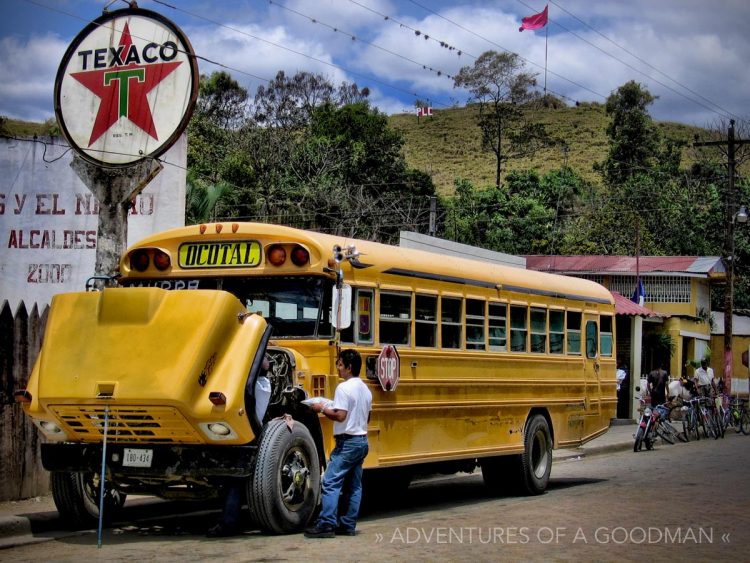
(546, 36)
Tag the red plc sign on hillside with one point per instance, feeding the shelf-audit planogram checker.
(126, 87)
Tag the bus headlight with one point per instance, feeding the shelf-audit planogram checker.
(51, 430)
(218, 430)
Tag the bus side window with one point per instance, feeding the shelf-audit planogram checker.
(518, 328)
(364, 316)
(450, 322)
(475, 324)
(591, 339)
(539, 330)
(556, 332)
(574, 332)
(425, 317)
(605, 335)
(498, 336)
(395, 318)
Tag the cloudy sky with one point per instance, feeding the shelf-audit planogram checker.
(692, 54)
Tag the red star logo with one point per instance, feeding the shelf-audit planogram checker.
(123, 89)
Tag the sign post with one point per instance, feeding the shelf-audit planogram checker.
(124, 93)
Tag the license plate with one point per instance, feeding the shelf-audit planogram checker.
(137, 458)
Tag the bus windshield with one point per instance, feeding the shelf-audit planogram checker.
(296, 307)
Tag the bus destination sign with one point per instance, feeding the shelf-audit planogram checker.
(220, 254)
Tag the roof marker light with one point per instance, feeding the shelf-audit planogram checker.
(219, 226)
(202, 229)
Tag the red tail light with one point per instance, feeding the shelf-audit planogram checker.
(162, 261)
(276, 255)
(300, 256)
(139, 260)
(217, 398)
(22, 396)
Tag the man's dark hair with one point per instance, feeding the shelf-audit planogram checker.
(351, 359)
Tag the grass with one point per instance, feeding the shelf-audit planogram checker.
(448, 145)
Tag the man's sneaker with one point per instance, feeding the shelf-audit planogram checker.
(320, 531)
(341, 531)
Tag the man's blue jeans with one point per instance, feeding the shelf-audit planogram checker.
(342, 483)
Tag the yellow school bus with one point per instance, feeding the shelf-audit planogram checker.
(159, 383)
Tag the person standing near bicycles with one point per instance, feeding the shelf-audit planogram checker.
(704, 379)
(657, 386)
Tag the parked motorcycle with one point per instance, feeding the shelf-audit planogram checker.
(653, 422)
(644, 434)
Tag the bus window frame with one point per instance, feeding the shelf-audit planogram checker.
(424, 322)
(535, 307)
(490, 317)
(602, 334)
(569, 331)
(561, 311)
(525, 307)
(475, 345)
(396, 320)
(459, 323)
(592, 354)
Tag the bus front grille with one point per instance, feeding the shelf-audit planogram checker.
(126, 424)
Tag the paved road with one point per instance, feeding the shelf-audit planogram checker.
(676, 502)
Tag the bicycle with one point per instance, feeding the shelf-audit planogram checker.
(737, 415)
(664, 428)
(691, 420)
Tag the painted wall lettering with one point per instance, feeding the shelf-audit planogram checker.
(49, 273)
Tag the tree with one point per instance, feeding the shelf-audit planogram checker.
(499, 85)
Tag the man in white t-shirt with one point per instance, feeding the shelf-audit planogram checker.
(704, 379)
(342, 481)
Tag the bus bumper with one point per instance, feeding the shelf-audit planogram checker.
(151, 460)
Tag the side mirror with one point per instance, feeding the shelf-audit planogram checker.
(341, 313)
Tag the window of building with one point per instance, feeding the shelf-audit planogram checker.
(605, 335)
(573, 331)
(425, 316)
(450, 322)
(659, 289)
(556, 332)
(518, 328)
(539, 330)
(475, 324)
(498, 336)
(395, 318)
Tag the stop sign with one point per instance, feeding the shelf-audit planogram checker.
(388, 368)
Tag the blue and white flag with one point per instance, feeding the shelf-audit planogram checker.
(639, 295)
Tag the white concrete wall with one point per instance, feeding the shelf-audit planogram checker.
(48, 218)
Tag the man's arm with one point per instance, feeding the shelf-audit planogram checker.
(339, 415)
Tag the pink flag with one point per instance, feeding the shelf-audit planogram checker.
(536, 21)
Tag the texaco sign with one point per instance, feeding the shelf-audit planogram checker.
(126, 87)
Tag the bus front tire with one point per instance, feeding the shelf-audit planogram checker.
(284, 488)
(76, 497)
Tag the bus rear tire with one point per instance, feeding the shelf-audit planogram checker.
(284, 488)
(536, 460)
(76, 496)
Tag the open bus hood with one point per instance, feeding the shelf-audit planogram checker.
(146, 347)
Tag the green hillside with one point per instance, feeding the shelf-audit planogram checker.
(448, 144)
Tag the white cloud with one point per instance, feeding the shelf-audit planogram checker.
(27, 75)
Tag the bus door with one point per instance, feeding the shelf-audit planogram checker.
(592, 369)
